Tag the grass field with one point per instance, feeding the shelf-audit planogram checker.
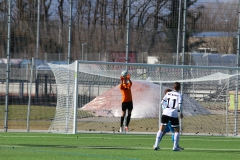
(47, 146)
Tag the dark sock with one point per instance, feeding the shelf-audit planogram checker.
(121, 123)
(128, 119)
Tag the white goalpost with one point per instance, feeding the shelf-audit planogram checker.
(89, 99)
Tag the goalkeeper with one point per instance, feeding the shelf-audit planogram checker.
(127, 103)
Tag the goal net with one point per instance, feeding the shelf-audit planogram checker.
(89, 98)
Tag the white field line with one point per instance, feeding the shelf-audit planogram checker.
(68, 136)
(137, 148)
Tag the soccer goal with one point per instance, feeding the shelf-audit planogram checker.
(89, 98)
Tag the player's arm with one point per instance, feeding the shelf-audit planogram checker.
(164, 100)
(180, 110)
(180, 107)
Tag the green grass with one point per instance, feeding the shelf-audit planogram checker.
(34, 146)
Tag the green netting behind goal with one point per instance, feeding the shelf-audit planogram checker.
(89, 99)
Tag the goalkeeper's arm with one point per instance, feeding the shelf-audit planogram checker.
(121, 78)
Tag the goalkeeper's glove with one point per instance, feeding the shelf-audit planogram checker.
(128, 76)
(122, 78)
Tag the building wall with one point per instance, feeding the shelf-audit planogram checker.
(225, 45)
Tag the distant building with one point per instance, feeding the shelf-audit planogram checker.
(152, 60)
(216, 42)
(120, 56)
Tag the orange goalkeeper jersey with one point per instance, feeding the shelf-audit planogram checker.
(126, 92)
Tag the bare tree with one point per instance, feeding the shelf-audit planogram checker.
(223, 19)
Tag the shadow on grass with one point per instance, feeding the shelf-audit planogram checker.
(49, 153)
(83, 147)
(109, 147)
(215, 151)
(46, 146)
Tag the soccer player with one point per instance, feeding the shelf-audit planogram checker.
(168, 127)
(127, 103)
(174, 101)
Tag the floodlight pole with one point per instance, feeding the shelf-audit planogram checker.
(84, 44)
(183, 52)
(69, 55)
(128, 31)
(69, 30)
(127, 46)
(236, 82)
(29, 97)
(8, 68)
(179, 27)
(37, 38)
